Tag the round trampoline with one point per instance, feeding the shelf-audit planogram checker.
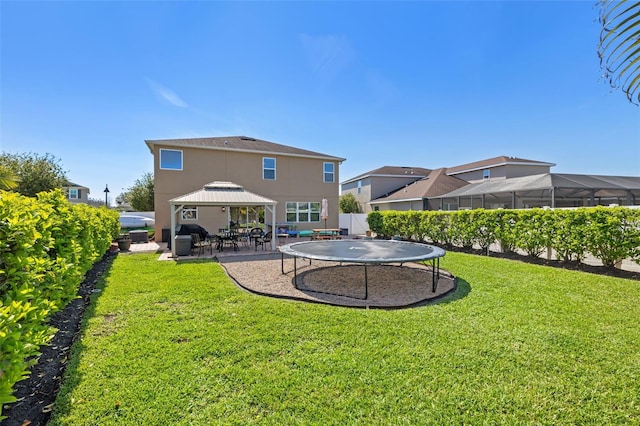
(366, 252)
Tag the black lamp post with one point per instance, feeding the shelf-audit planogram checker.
(106, 196)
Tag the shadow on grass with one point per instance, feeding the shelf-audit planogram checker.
(463, 288)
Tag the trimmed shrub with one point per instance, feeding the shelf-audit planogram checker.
(46, 247)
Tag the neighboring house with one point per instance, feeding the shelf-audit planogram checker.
(380, 183)
(419, 195)
(502, 167)
(77, 193)
(502, 182)
(295, 178)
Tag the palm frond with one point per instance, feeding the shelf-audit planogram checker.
(619, 47)
(8, 180)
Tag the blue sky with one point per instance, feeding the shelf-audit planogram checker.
(423, 83)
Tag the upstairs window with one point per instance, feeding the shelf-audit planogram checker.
(486, 174)
(268, 168)
(359, 187)
(329, 172)
(170, 159)
(74, 194)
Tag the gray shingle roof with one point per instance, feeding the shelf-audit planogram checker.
(240, 143)
(390, 171)
(435, 184)
(494, 162)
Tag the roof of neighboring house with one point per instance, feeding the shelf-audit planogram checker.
(240, 143)
(75, 185)
(544, 181)
(393, 171)
(502, 160)
(435, 184)
(222, 194)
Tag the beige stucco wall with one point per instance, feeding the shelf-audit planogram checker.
(374, 187)
(297, 179)
(363, 197)
(503, 172)
(84, 195)
(400, 206)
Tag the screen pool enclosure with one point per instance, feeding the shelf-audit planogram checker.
(365, 252)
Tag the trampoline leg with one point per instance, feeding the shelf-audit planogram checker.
(282, 262)
(366, 283)
(295, 273)
(435, 274)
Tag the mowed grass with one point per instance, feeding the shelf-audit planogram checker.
(180, 344)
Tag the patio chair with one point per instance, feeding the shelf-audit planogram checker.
(243, 238)
(200, 244)
(254, 234)
(260, 241)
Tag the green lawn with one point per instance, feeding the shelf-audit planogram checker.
(169, 343)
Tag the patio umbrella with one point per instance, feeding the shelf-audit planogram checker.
(324, 213)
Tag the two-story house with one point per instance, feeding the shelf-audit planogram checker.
(381, 182)
(500, 182)
(77, 193)
(420, 195)
(501, 167)
(296, 179)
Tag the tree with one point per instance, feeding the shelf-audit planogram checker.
(140, 195)
(95, 202)
(349, 204)
(619, 48)
(35, 173)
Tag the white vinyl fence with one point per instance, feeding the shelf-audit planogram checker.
(356, 223)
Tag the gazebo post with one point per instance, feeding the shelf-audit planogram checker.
(172, 237)
(272, 209)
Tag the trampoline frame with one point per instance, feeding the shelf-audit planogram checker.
(433, 255)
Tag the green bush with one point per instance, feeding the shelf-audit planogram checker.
(533, 231)
(46, 247)
(568, 234)
(374, 219)
(610, 234)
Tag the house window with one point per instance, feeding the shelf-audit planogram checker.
(486, 174)
(303, 211)
(268, 168)
(376, 208)
(170, 159)
(328, 172)
(73, 194)
(359, 187)
(190, 213)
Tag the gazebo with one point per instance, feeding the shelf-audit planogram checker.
(222, 194)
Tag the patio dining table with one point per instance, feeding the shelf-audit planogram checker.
(229, 238)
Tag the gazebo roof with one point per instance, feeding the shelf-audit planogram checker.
(220, 193)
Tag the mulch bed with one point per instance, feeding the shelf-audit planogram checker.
(575, 266)
(37, 393)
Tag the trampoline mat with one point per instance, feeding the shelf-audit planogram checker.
(363, 251)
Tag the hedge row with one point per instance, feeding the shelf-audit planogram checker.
(610, 234)
(46, 247)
